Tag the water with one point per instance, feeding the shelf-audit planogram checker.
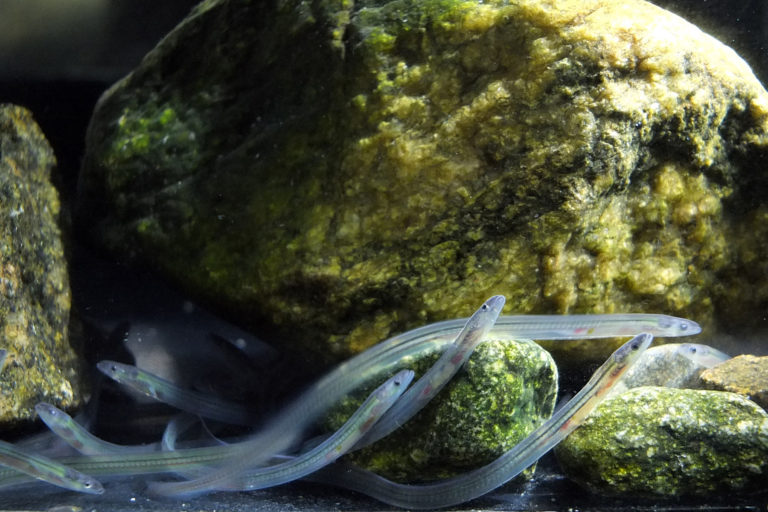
(165, 332)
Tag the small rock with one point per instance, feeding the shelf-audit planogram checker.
(674, 365)
(746, 375)
(669, 442)
(504, 391)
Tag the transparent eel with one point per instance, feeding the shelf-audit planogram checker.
(163, 390)
(431, 383)
(673, 365)
(178, 425)
(254, 450)
(440, 373)
(416, 397)
(184, 460)
(703, 355)
(287, 427)
(324, 453)
(78, 437)
(480, 481)
(110, 465)
(47, 470)
(285, 430)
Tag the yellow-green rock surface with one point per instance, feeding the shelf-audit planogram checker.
(34, 286)
(331, 173)
(655, 441)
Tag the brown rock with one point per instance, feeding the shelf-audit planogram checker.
(746, 375)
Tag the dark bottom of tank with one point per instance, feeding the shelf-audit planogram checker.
(548, 491)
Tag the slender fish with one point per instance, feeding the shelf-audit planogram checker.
(280, 434)
(702, 355)
(566, 327)
(286, 429)
(438, 375)
(78, 437)
(184, 399)
(178, 424)
(473, 484)
(323, 454)
(185, 461)
(674, 365)
(48, 470)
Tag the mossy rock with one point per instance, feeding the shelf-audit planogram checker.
(656, 441)
(330, 173)
(506, 389)
(34, 286)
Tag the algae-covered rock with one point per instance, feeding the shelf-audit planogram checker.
(669, 442)
(335, 172)
(746, 375)
(505, 390)
(34, 287)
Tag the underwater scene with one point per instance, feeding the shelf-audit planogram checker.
(383, 255)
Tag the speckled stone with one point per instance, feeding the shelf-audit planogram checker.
(34, 286)
(746, 375)
(665, 365)
(333, 172)
(505, 390)
(669, 442)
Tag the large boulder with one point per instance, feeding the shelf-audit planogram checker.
(333, 172)
(34, 287)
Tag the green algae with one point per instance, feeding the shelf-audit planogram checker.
(505, 390)
(152, 131)
(669, 442)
